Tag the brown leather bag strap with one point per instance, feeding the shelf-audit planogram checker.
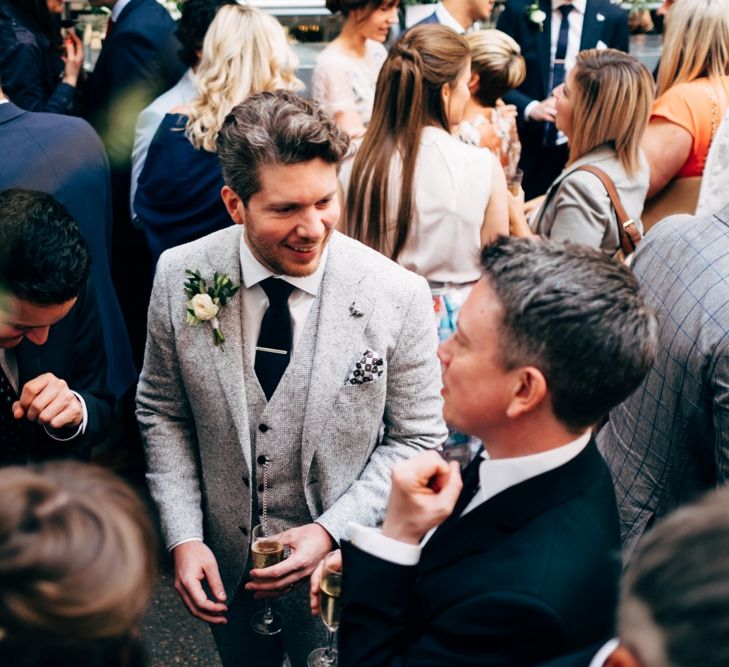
(628, 232)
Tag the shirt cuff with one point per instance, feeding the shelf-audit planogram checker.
(81, 427)
(373, 542)
(189, 539)
(528, 108)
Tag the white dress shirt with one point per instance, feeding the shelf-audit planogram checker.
(446, 18)
(9, 364)
(604, 653)
(576, 18)
(255, 301)
(495, 476)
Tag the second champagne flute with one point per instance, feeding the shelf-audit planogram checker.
(266, 551)
(330, 607)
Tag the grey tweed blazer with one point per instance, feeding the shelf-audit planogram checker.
(669, 441)
(192, 408)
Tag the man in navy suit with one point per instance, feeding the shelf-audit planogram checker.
(53, 396)
(538, 29)
(138, 62)
(524, 563)
(459, 14)
(62, 155)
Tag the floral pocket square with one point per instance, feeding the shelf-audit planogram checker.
(368, 369)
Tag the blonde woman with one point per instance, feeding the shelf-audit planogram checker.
(693, 91)
(345, 74)
(178, 194)
(577, 207)
(496, 68)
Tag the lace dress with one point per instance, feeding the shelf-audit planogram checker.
(341, 82)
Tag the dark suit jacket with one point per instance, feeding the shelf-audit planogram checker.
(30, 69)
(62, 156)
(138, 63)
(535, 45)
(526, 576)
(73, 352)
(431, 18)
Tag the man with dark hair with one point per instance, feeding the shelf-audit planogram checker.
(524, 562)
(197, 15)
(63, 156)
(265, 403)
(53, 397)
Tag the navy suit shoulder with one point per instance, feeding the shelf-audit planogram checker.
(74, 352)
(527, 576)
(63, 156)
(428, 20)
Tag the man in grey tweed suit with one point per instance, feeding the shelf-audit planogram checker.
(669, 441)
(216, 446)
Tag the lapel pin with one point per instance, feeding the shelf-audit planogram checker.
(354, 311)
(600, 17)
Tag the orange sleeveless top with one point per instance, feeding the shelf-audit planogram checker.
(698, 107)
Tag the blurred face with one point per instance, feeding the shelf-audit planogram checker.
(55, 6)
(564, 96)
(376, 24)
(480, 10)
(456, 96)
(475, 383)
(288, 222)
(31, 321)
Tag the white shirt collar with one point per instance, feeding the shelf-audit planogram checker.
(604, 653)
(118, 8)
(579, 5)
(446, 18)
(253, 272)
(497, 475)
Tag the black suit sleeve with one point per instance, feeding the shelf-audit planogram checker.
(508, 24)
(381, 624)
(622, 33)
(88, 375)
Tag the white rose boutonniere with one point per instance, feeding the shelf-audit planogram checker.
(206, 301)
(536, 15)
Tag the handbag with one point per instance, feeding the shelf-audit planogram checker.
(628, 231)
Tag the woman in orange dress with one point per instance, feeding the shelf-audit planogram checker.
(693, 91)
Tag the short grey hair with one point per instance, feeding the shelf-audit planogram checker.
(674, 607)
(275, 128)
(578, 316)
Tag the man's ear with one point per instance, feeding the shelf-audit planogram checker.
(530, 390)
(234, 205)
(622, 657)
(473, 83)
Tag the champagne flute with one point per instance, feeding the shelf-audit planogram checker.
(266, 551)
(330, 607)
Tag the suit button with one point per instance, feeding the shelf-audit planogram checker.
(260, 488)
(247, 482)
(243, 530)
(262, 428)
(262, 460)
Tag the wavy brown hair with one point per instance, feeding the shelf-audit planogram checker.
(407, 98)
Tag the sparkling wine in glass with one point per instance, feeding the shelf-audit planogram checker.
(266, 551)
(330, 607)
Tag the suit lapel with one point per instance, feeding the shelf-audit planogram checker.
(228, 361)
(591, 27)
(509, 510)
(344, 312)
(544, 45)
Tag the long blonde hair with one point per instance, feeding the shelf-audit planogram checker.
(607, 79)
(407, 98)
(244, 52)
(695, 44)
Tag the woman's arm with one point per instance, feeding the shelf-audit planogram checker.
(667, 146)
(496, 215)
